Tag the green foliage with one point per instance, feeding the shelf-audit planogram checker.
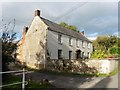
(115, 71)
(105, 46)
(63, 24)
(71, 27)
(71, 74)
(31, 84)
(99, 54)
(8, 48)
(9, 45)
(106, 41)
(114, 50)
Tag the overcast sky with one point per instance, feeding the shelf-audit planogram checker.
(95, 18)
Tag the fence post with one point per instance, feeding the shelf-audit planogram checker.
(23, 77)
(23, 80)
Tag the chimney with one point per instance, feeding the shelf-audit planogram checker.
(82, 32)
(37, 13)
(25, 29)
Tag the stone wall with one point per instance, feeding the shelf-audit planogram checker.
(82, 67)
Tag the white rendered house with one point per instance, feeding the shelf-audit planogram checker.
(44, 39)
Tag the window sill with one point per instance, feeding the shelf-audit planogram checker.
(83, 47)
(70, 45)
(60, 43)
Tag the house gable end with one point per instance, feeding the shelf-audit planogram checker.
(37, 24)
(34, 48)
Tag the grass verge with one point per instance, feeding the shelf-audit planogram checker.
(32, 85)
(74, 74)
(64, 73)
(114, 72)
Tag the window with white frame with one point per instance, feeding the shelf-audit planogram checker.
(70, 41)
(59, 38)
(88, 45)
(77, 42)
(83, 44)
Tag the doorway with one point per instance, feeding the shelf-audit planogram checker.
(78, 54)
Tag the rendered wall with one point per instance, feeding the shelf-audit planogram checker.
(34, 46)
(53, 46)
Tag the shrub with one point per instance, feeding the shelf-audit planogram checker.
(99, 54)
(114, 50)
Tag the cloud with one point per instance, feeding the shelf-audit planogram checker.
(96, 18)
(104, 22)
(0, 12)
(93, 34)
(116, 33)
(59, 1)
(92, 38)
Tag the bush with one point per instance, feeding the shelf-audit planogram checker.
(113, 50)
(99, 54)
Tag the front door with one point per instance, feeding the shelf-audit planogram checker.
(78, 54)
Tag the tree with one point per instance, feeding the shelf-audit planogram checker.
(105, 42)
(71, 27)
(9, 46)
(105, 46)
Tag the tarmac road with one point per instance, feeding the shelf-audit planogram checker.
(108, 82)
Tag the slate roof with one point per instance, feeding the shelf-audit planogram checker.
(57, 28)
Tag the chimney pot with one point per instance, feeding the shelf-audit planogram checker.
(37, 13)
(82, 32)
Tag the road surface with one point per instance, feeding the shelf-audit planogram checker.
(62, 81)
(108, 82)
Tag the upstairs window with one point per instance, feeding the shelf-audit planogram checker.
(83, 44)
(59, 54)
(88, 45)
(59, 38)
(70, 41)
(77, 42)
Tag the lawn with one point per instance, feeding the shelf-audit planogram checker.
(32, 85)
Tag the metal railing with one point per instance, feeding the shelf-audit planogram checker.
(23, 78)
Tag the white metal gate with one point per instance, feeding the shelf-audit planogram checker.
(23, 82)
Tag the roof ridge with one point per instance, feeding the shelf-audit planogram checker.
(63, 30)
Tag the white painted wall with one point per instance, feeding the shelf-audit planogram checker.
(104, 66)
(53, 46)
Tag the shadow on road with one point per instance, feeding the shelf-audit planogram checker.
(102, 85)
(61, 81)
